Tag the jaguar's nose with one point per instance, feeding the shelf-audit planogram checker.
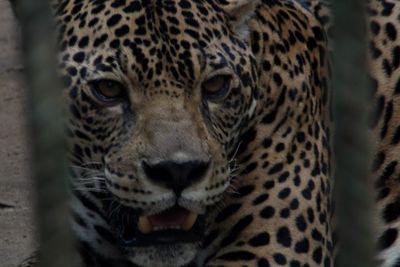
(176, 175)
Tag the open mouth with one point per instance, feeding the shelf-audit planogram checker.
(172, 226)
(173, 219)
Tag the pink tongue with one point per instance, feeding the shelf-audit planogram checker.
(172, 217)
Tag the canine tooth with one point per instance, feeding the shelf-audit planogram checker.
(144, 225)
(189, 222)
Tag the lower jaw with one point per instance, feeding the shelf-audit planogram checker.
(180, 254)
(129, 235)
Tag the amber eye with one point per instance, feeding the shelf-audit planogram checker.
(216, 88)
(107, 91)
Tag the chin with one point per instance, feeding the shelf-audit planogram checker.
(171, 238)
(164, 255)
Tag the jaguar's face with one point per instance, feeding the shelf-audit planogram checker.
(157, 92)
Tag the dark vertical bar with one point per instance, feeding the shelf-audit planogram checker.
(353, 182)
(47, 135)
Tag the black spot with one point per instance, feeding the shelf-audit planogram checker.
(306, 193)
(276, 168)
(267, 142)
(249, 168)
(75, 112)
(114, 20)
(118, 3)
(184, 4)
(302, 246)
(98, 9)
(396, 136)
(81, 135)
(121, 31)
(301, 223)
(269, 184)
(392, 211)
(259, 240)
(284, 193)
(316, 235)
(244, 191)
(134, 6)
(388, 9)
(387, 173)
(279, 147)
(79, 57)
(100, 40)
(391, 31)
(279, 258)
(397, 87)
(260, 199)
(317, 255)
(277, 79)
(375, 27)
(378, 161)
(283, 177)
(388, 238)
(300, 137)
(285, 213)
(83, 42)
(236, 230)
(283, 237)
(246, 139)
(268, 212)
(383, 193)
(263, 262)
(294, 204)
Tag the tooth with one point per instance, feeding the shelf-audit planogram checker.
(189, 222)
(144, 225)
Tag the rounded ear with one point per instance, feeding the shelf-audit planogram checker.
(240, 12)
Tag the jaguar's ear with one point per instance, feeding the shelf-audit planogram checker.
(240, 12)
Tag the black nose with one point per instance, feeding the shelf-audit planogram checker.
(176, 175)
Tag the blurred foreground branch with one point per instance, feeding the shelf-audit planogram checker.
(47, 134)
(353, 183)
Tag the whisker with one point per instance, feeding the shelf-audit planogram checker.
(235, 153)
(89, 180)
(90, 190)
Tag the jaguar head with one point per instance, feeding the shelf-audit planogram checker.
(158, 93)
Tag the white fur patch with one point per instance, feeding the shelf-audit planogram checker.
(252, 108)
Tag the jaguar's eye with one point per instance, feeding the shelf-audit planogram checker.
(107, 91)
(216, 88)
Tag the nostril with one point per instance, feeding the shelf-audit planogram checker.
(198, 170)
(176, 175)
(155, 172)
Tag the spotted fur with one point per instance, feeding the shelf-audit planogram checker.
(266, 192)
(384, 62)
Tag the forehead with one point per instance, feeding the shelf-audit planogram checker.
(179, 33)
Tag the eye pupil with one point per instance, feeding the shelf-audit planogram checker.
(216, 87)
(107, 91)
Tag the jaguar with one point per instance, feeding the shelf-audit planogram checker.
(383, 58)
(198, 131)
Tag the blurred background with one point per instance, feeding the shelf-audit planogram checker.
(16, 224)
